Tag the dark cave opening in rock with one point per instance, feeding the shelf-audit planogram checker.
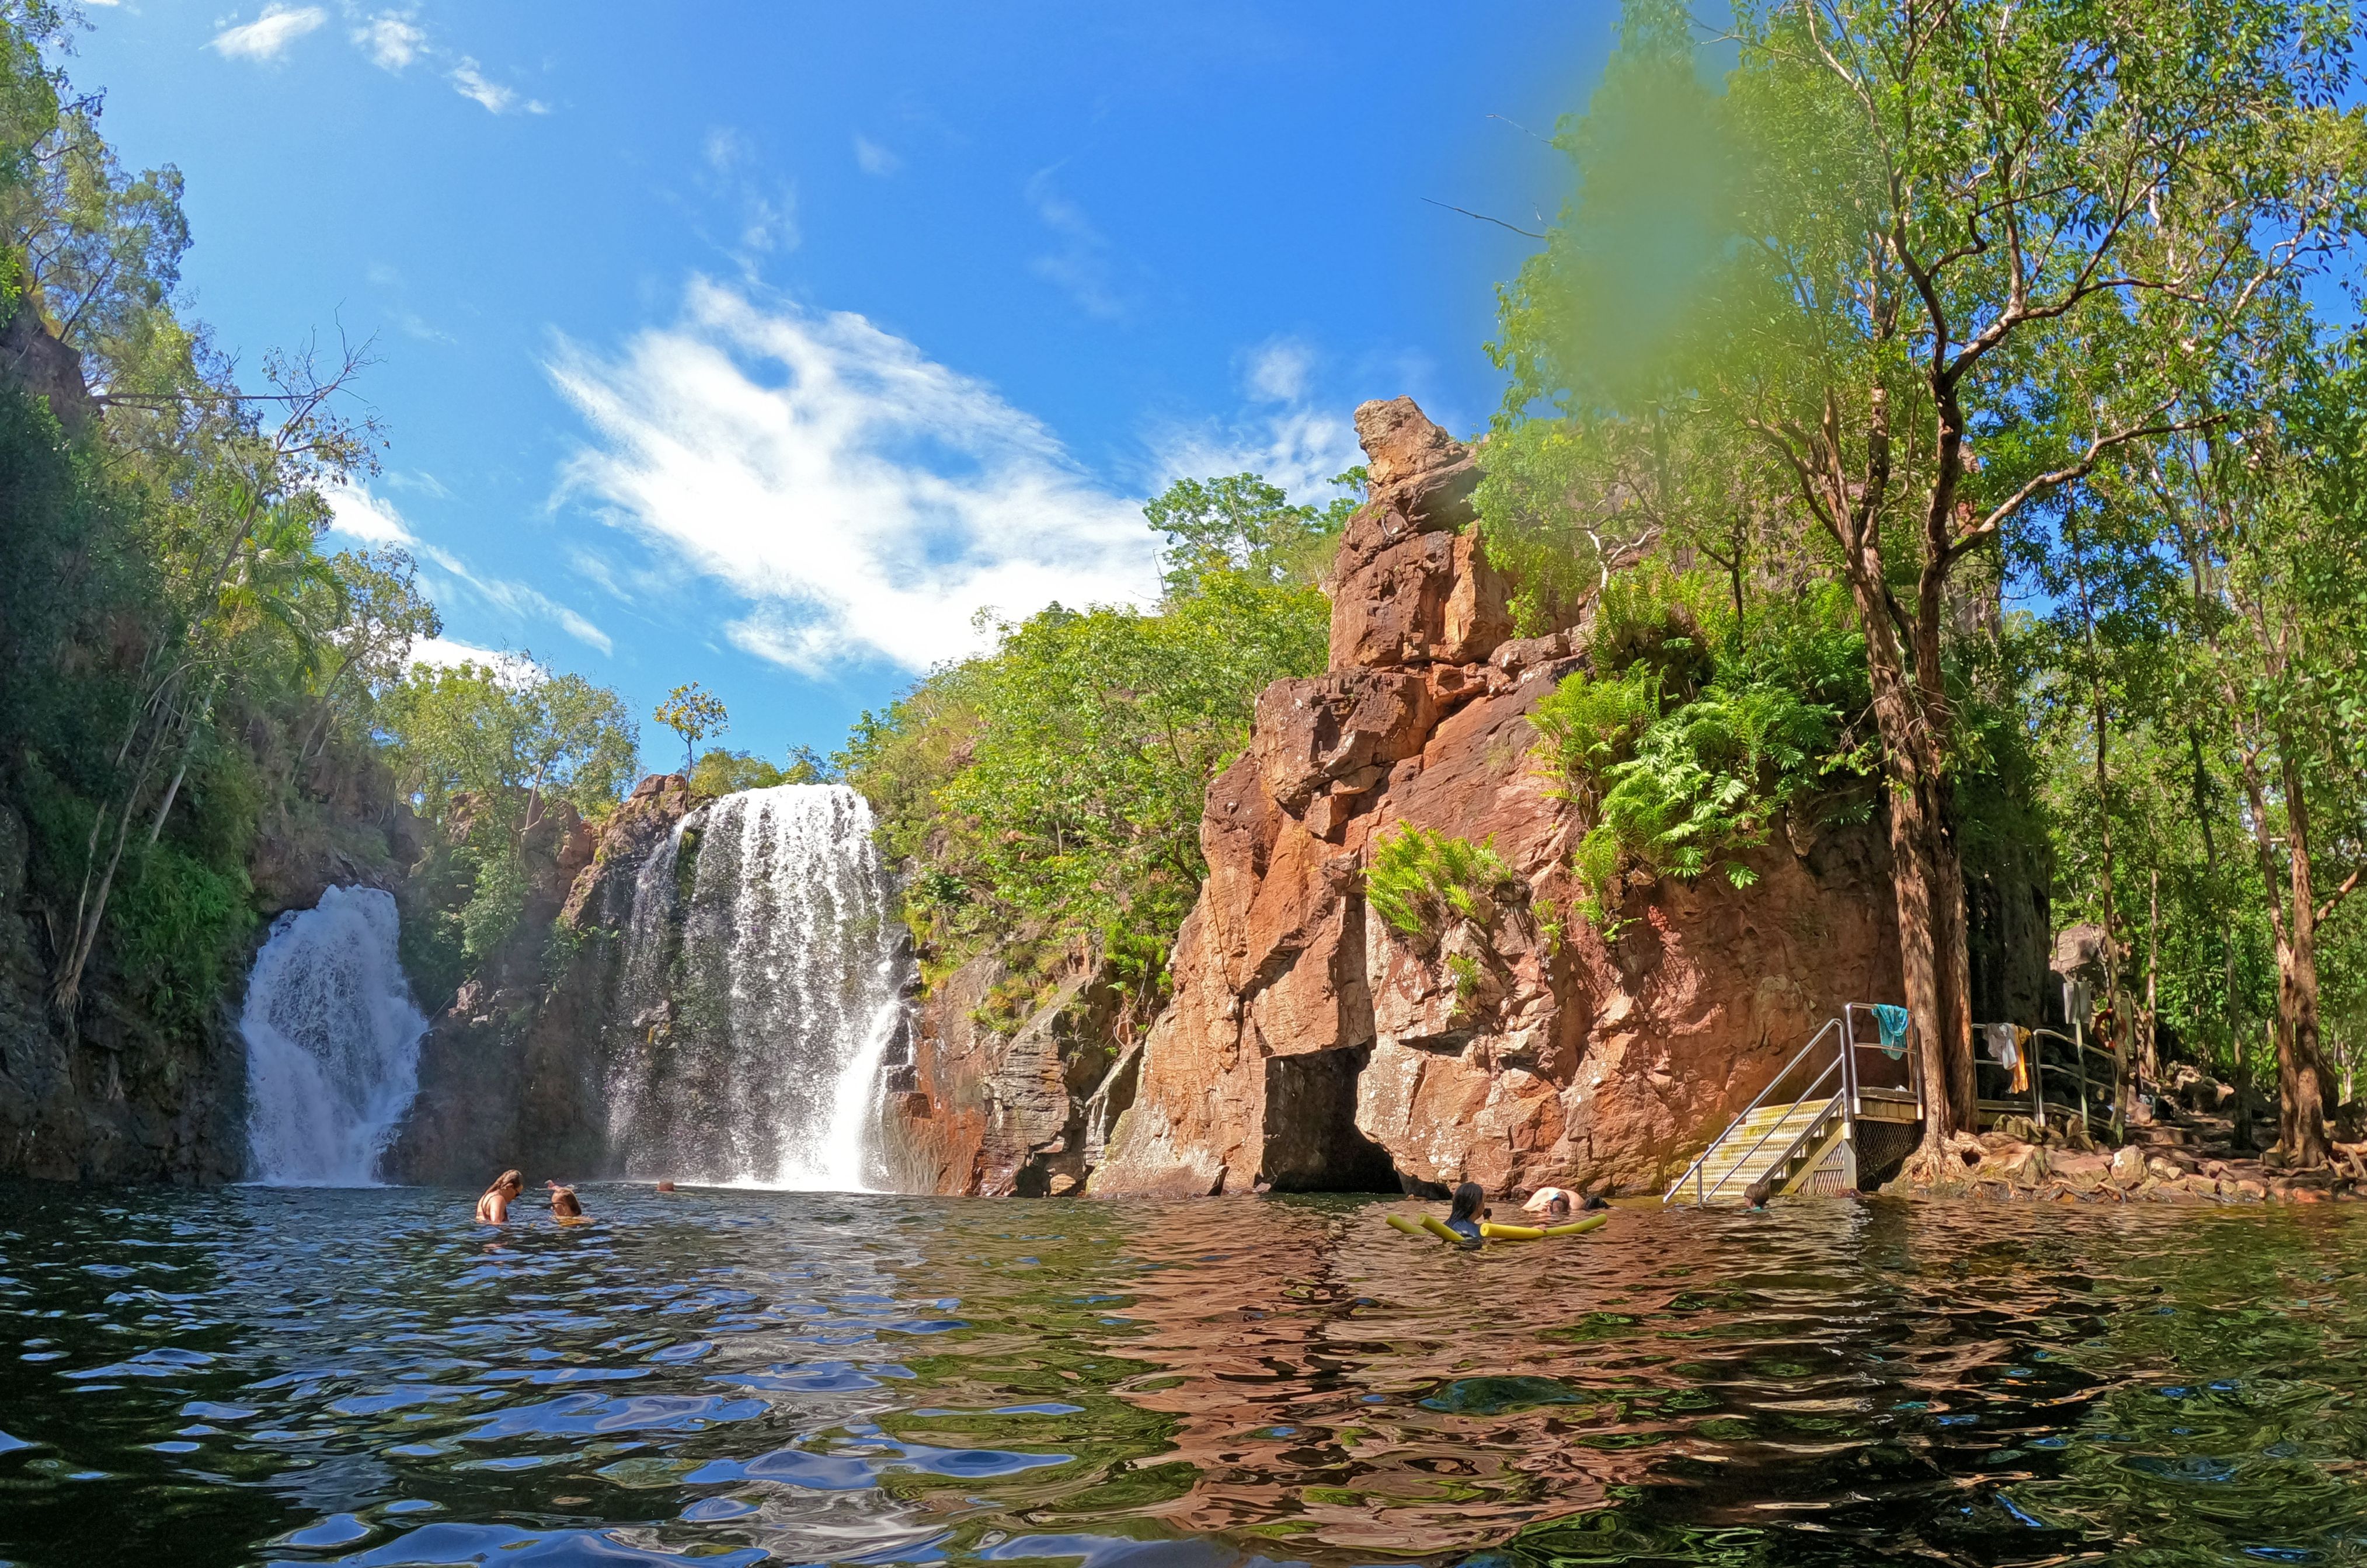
(1312, 1143)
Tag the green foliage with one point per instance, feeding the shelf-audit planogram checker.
(693, 712)
(1421, 882)
(1240, 523)
(1588, 726)
(1046, 797)
(1697, 728)
(720, 771)
(482, 754)
(180, 926)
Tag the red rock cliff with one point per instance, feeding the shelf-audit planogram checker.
(1309, 1046)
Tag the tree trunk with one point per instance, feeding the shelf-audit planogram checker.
(2149, 1035)
(1952, 962)
(2303, 1085)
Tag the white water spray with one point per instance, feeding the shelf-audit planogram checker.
(332, 1043)
(755, 1005)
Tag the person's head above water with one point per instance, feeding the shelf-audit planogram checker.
(509, 1183)
(563, 1201)
(1755, 1196)
(1470, 1202)
(1560, 1207)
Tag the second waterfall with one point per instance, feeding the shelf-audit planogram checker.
(763, 980)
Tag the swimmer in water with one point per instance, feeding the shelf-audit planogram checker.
(1470, 1208)
(493, 1208)
(564, 1208)
(1755, 1196)
(1560, 1202)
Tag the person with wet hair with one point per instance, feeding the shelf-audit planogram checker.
(564, 1206)
(1470, 1208)
(493, 1208)
(1755, 1196)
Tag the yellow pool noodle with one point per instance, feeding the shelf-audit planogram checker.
(1495, 1232)
(1577, 1227)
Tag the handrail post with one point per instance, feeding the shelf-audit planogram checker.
(2038, 1080)
(2079, 1060)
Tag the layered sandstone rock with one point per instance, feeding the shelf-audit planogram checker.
(1309, 1046)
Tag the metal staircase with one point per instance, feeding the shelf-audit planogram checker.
(1799, 1134)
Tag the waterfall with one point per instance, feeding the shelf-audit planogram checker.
(332, 1042)
(763, 979)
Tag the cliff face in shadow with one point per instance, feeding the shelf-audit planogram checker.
(127, 1096)
(1309, 1046)
(512, 1072)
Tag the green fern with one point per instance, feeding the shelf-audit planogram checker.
(1420, 882)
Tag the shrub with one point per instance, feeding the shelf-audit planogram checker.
(1696, 729)
(1420, 882)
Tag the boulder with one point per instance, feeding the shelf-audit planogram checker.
(2127, 1167)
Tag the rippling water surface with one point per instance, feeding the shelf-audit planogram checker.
(732, 1377)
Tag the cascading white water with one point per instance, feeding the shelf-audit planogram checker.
(754, 1004)
(332, 1043)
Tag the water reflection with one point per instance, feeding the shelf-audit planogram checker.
(740, 1377)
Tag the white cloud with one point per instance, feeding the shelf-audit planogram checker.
(510, 666)
(769, 218)
(392, 40)
(1080, 268)
(357, 513)
(1295, 440)
(1278, 371)
(863, 500)
(874, 159)
(269, 34)
(723, 148)
(471, 83)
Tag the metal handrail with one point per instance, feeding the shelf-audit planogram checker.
(1701, 1195)
(1693, 1172)
(1912, 1058)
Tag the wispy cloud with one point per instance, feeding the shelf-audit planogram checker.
(471, 83)
(860, 499)
(371, 519)
(357, 513)
(1288, 434)
(1081, 265)
(269, 36)
(392, 40)
(1277, 370)
(874, 159)
(766, 214)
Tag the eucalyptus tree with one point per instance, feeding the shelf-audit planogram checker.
(1939, 261)
(2267, 509)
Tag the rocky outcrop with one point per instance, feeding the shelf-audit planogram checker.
(511, 1072)
(982, 1113)
(1310, 1046)
(34, 358)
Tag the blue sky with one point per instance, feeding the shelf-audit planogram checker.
(764, 344)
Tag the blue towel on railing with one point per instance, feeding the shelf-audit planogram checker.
(1893, 1021)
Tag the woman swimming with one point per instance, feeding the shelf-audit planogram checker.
(1470, 1208)
(493, 1208)
(564, 1208)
